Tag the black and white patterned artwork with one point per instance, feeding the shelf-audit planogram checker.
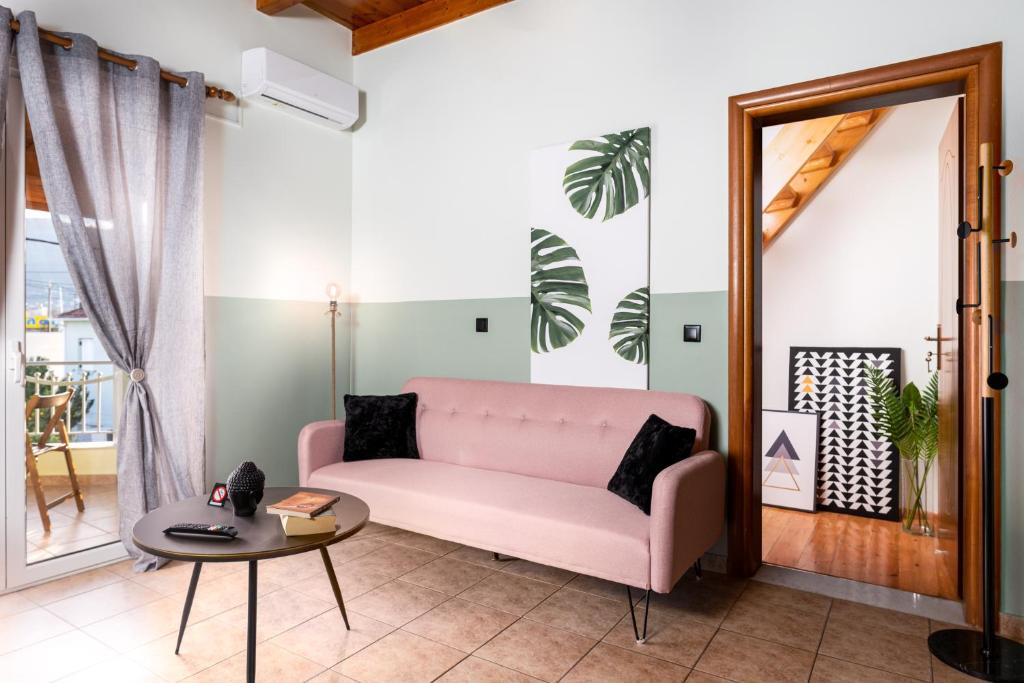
(858, 469)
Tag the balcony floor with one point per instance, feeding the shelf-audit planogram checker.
(71, 530)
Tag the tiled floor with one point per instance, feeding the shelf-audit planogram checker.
(71, 530)
(425, 609)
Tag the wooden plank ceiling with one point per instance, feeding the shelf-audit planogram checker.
(800, 159)
(378, 22)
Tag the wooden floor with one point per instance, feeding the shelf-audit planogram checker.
(858, 548)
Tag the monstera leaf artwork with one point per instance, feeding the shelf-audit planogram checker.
(615, 174)
(559, 292)
(630, 328)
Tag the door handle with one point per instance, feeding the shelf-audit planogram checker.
(16, 358)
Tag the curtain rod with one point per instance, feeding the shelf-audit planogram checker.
(107, 56)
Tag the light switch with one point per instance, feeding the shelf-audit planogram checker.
(691, 333)
(481, 324)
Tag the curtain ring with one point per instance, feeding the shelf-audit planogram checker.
(137, 375)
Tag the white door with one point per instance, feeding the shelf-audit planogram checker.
(20, 561)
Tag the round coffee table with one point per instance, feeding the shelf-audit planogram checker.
(260, 537)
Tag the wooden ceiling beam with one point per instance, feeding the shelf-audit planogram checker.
(273, 7)
(429, 15)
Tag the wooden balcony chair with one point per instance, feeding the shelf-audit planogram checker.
(58, 404)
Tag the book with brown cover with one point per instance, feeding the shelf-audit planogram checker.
(303, 504)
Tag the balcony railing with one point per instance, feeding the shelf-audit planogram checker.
(93, 413)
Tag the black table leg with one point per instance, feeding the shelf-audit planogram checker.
(196, 568)
(250, 646)
(334, 585)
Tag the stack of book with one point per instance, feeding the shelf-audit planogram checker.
(306, 513)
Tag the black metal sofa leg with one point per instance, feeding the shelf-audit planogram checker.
(640, 637)
(698, 571)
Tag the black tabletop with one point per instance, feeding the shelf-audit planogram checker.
(259, 536)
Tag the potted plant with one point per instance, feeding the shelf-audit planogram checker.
(910, 420)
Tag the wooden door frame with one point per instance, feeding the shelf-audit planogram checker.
(976, 73)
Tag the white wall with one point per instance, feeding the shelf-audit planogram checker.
(277, 190)
(440, 166)
(859, 265)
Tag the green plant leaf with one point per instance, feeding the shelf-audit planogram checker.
(630, 329)
(909, 420)
(611, 174)
(558, 292)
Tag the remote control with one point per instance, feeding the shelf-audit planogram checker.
(196, 529)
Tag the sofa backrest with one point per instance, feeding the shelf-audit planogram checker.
(571, 434)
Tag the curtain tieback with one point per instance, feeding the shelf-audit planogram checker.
(137, 375)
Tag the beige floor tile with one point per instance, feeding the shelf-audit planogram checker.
(680, 641)
(484, 558)
(582, 613)
(509, 593)
(25, 628)
(69, 586)
(273, 665)
(536, 650)
(393, 560)
(396, 603)
(460, 624)
(770, 594)
(15, 603)
(602, 588)
(374, 530)
(829, 670)
(610, 664)
(400, 657)
(117, 670)
(789, 624)
(476, 670)
(174, 577)
(128, 630)
(538, 572)
(868, 616)
(352, 579)
(226, 592)
(330, 676)
(325, 640)
(429, 543)
(751, 660)
(701, 601)
(352, 548)
(446, 575)
(278, 611)
(54, 658)
(701, 677)
(100, 603)
(204, 645)
(873, 645)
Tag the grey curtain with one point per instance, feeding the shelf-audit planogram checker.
(120, 155)
(6, 41)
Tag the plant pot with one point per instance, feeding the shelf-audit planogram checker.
(915, 497)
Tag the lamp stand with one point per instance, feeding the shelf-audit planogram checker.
(333, 313)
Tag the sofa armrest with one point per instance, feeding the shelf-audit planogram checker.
(320, 444)
(687, 515)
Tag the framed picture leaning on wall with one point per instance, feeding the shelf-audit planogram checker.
(789, 459)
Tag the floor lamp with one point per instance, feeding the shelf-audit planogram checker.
(332, 312)
(985, 654)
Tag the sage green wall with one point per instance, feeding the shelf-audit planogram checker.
(1013, 450)
(396, 341)
(268, 374)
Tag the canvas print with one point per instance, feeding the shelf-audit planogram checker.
(589, 254)
(789, 458)
(858, 469)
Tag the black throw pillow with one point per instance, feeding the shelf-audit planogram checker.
(380, 427)
(656, 446)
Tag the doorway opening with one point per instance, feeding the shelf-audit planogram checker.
(975, 74)
(859, 268)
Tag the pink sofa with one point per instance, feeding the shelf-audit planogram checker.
(521, 470)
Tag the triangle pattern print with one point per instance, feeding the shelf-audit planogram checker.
(858, 469)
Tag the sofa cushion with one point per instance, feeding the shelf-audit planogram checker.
(380, 427)
(579, 528)
(656, 446)
(571, 434)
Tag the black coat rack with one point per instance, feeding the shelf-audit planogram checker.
(985, 654)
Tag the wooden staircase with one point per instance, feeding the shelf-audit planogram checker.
(801, 158)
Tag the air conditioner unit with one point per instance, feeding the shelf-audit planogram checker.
(282, 82)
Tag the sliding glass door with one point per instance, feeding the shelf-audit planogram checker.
(61, 393)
